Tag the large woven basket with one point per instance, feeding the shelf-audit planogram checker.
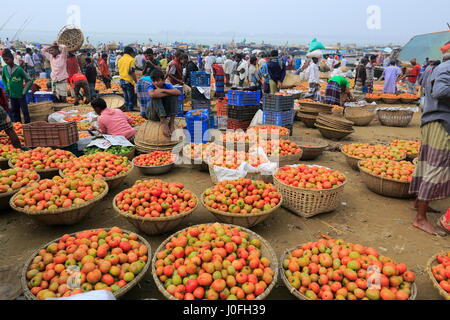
(266, 250)
(60, 106)
(44, 174)
(6, 197)
(119, 293)
(391, 100)
(431, 263)
(62, 216)
(399, 118)
(352, 160)
(154, 226)
(243, 220)
(113, 182)
(287, 160)
(80, 109)
(385, 186)
(312, 148)
(333, 134)
(300, 296)
(114, 101)
(72, 37)
(360, 116)
(308, 203)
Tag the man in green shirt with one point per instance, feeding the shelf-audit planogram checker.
(338, 91)
(17, 83)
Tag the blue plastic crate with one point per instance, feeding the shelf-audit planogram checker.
(180, 102)
(29, 97)
(278, 118)
(198, 122)
(243, 98)
(200, 79)
(41, 97)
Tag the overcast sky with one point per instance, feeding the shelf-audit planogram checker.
(196, 20)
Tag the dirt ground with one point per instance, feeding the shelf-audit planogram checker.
(363, 217)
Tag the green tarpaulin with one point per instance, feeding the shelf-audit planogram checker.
(425, 46)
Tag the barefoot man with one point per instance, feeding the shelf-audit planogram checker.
(431, 180)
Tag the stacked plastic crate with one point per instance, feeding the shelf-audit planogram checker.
(278, 110)
(242, 107)
(222, 113)
(201, 79)
(180, 102)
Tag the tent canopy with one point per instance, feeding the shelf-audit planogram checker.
(425, 46)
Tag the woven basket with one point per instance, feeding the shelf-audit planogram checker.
(352, 160)
(360, 116)
(243, 220)
(114, 101)
(308, 203)
(266, 250)
(333, 134)
(312, 148)
(408, 101)
(400, 118)
(44, 174)
(287, 160)
(385, 186)
(391, 100)
(60, 106)
(113, 182)
(308, 122)
(119, 293)
(72, 37)
(300, 296)
(62, 216)
(431, 263)
(253, 176)
(80, 109)
(6, 197)
(154, 226)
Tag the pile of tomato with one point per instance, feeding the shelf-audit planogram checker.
(14, 179)
(98, 165)
(58, 193)
(395, 170)
(310, 177)
(242, 196)
(156, 198)
(155, 159)
(43, 159)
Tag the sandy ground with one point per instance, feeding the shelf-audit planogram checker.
(363, 217)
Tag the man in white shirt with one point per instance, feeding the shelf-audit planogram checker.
(330, 62)
(29, 64)
(140, 59)
(209, 61)
(314, 79)
(228, 69)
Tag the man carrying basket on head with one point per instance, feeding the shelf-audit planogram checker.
(57, 55)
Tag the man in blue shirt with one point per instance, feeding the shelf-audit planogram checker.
(164, 103)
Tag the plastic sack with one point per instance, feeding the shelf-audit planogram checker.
(257, 119)
(315, 54)
(291, 80)
(315, 45)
